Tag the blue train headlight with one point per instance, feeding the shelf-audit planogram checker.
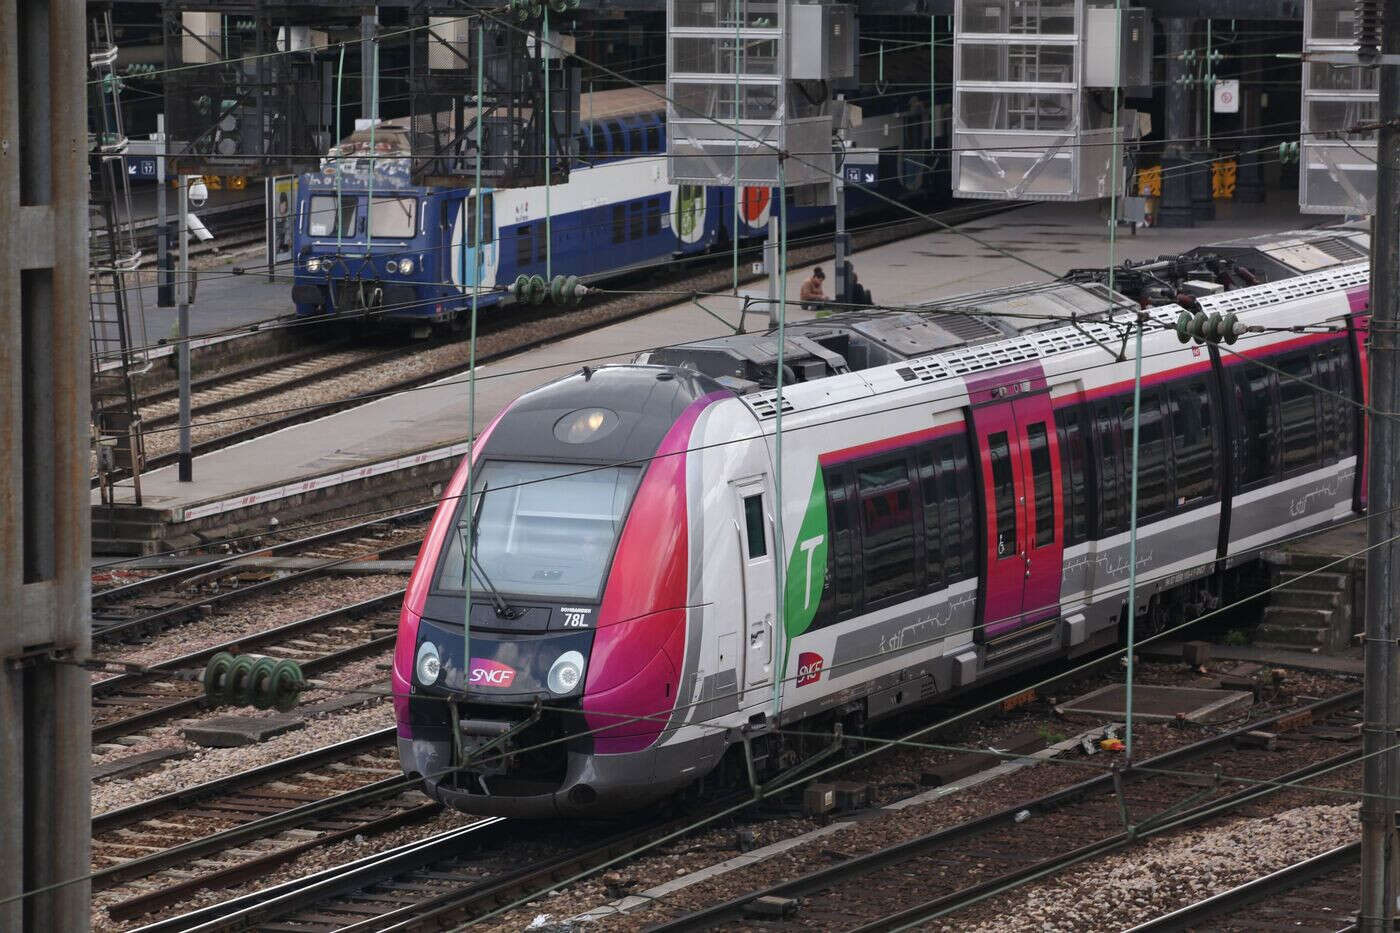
(313, 265)
(391, 267)
(429, 665)
(566, 673)
(406, 266)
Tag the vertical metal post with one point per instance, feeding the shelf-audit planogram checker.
(1381, 705)
(548, 155)
(770, 264)
(1174, 209)
(467, 543)
(162, 214)
(45, 448)
(1208, 103)
(369, 66)
(779, 541)
(185, 459)
(842, 245)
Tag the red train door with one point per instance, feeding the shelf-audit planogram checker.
(1023, 513)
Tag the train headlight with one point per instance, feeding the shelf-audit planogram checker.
(313, 265)
(429, 665)
(391, 267)
(566, 673)
(406, 266)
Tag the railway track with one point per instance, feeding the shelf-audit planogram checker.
(961, 865)
(1307, 897)
(143, 606)
(519, 332)
(128, 703)
(237, 828)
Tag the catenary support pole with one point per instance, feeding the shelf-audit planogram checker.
(475, 257)
(1174, 207)
(45, 574)
(182, 284)
(770, 264)
(1381, 705)
(369, 66)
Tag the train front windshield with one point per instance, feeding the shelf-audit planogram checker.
(544, 530)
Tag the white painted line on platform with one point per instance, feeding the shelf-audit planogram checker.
(633, 901)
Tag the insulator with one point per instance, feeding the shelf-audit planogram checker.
(1367, 28)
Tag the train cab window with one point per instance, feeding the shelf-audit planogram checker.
(1042, 483)
(1298, 413)
(753, 526)
(654, 138)
(654, 217)
(1152, 460)
(488, 219)
(1003, 493)
(1254, 400)
(393, 217)
(524, 246)
(327, 218)
(619, 223)
(1193, 441)
(1073, 474)
(887, 528)
(634, 140)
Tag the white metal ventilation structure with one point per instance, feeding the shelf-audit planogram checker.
(747, 78)
(1033, 96)
(1336, 163)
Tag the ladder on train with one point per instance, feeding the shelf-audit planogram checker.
(113, 286)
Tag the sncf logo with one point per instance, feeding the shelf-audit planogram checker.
(809, 668)
(491, 673)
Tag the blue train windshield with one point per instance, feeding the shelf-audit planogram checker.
(545, 529)
(393, 216)
(325, 210)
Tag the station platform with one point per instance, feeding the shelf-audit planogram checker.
(398, 451)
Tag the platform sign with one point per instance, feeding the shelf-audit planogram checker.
(281, 219)
(1227, 96)
(142, 168)
(861, 166)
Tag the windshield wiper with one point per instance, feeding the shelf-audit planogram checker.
(503, 609)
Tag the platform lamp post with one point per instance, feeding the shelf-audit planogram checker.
(192, 189)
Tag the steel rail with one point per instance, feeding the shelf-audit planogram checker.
(734, 908)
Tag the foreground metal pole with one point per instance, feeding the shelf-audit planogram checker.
(45, 447)
(775, 275)
(185, 460)
(1381, 711)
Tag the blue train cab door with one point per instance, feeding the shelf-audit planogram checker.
(475, 263)
(1018, 453)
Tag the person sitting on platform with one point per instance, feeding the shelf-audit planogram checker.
(813, 293)
(857, 294)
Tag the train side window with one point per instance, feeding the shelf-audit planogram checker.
(634, 140)
(1152, 455)
(887, 528)
(1003, 493)
(619, 147)
(958, 510)
(933, 532)
(488, 219)
(653, 138)
(524, 246)
(635, 220)
(600, 142)
(838, 593)
(1346, 411)
(1298, 413)
(1193, 441)
(654, 217)
(1072, 474)
(753, 526)
(1254, 399)
(1109, 468)
(1042, 483)
(582, 143)
(619, 223)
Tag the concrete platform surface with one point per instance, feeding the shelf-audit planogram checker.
(1160, 704)
(428, 427)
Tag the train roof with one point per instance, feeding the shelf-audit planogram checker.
(1273, 256)
(854, 340)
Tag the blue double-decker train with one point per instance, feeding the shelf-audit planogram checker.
(370, 242)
